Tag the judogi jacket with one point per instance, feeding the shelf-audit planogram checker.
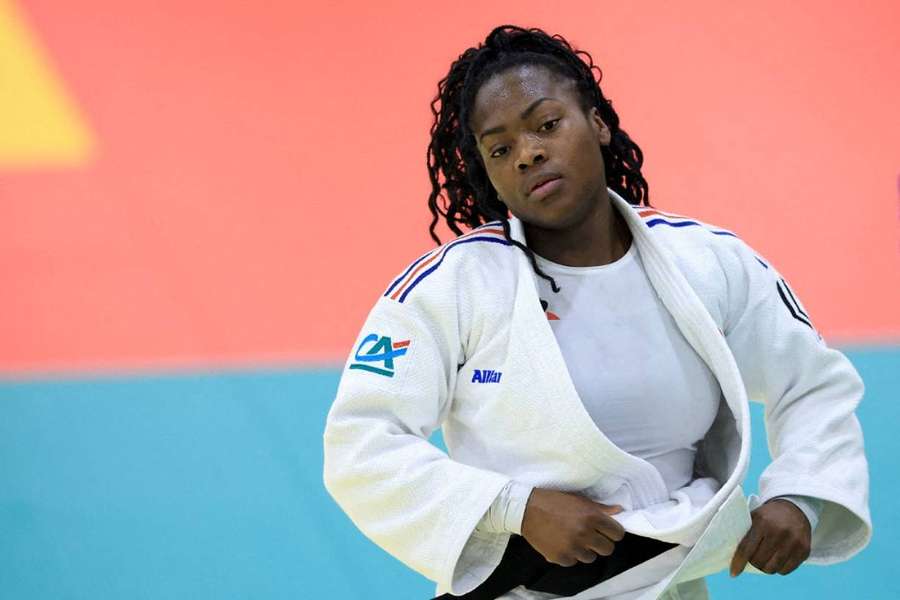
(459, 340)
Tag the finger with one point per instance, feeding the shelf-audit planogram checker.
(790, 565)
(602, 545)
(609, 527)
(738, 562)
(745, 550)
(767, 550)
(586, 556)
(793, 560)
(613, 509)
(775, 563)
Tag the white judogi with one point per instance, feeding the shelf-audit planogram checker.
(653, 396)
(460, 341)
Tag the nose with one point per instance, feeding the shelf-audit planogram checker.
(531, 153)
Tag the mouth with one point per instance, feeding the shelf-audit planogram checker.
(543, 184)
(542, 190)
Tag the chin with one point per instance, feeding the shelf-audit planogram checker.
(556, 213)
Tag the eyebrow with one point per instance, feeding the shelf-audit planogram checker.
(523, 116)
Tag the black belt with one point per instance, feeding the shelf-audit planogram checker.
(523, 565)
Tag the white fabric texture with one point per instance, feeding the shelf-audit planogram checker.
(655, 398)
(507, 509)
(652, 395)
(465, 345)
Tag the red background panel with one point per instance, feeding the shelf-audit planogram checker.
(259, 171)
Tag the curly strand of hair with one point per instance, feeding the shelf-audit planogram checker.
(530, 254)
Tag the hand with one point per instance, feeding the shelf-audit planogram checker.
(567, 528)
(778, 541)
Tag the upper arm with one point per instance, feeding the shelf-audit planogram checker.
(771, 334)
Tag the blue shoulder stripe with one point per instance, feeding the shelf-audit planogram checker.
(427, 254)
(407, 271)
(658, 221)
(490, 239)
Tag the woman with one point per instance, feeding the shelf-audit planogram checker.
(589, 360)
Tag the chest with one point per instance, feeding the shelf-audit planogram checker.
(639, 379)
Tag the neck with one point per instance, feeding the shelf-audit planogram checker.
(601, 238)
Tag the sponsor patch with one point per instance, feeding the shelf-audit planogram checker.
(376, 354)
(486, 376)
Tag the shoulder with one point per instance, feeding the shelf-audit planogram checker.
(453, 264)
(682, 227)
(717, 262)
(690, 236)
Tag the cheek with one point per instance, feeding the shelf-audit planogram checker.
(495, 176)
(586, 144)
(589, 154)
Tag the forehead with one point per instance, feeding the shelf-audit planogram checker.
(505, 94)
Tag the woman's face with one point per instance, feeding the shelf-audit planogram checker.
(528, 126)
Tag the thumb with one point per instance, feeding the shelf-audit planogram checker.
(613, 509)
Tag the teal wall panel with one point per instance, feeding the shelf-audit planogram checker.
(209, 486)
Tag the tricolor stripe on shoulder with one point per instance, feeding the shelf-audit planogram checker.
(655, 217)
(428, 263)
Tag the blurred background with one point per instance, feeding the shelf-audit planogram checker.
(200, 202)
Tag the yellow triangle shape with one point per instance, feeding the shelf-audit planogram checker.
(39, 124)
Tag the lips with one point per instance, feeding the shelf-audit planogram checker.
(541, 180)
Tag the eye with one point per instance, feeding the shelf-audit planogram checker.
(554, 121)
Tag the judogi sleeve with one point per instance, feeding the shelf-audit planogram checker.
(810, 393)
(402, 492)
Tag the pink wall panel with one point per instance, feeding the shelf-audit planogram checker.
(258, 175)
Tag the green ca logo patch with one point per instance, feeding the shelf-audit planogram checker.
(376, 354)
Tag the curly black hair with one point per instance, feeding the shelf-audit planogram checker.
(470, 198)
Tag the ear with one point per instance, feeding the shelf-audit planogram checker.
(604, 135)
